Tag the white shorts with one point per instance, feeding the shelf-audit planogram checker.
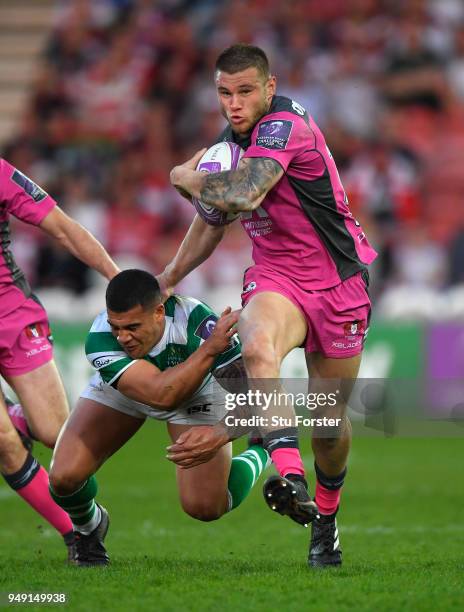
(205, 407)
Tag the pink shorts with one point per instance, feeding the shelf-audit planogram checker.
(337, 318)
(25, 339)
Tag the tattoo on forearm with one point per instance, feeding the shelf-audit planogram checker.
(236, 190)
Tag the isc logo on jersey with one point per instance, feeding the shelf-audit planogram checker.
(219, 157)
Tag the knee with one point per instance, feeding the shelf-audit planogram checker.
(260, 356)
(47, 432)
(48, 439)
(202, 512)
(64, 481)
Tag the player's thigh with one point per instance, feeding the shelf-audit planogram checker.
(42, 396)
(92, 433)
(12, 453)
(270, 317)
(203, 489)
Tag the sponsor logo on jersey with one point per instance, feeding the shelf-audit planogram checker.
(298, 108)
(102, 361)
(347, 345)
(206, 327)
(250, 287)
(36, 351)
(31, 188)
(274, 134)
(171, 357)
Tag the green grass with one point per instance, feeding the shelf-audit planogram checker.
(401, 529)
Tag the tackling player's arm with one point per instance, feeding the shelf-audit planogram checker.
(232, 190)
(144, 382)
(79, 242)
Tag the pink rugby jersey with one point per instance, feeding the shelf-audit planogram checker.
(303, 228)
(22, 198)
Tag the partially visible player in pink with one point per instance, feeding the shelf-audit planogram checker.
(26, 352)
(308, 286)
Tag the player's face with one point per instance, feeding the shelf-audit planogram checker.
(137, 330)
(244, 97)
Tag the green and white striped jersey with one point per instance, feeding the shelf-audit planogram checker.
(189, 323)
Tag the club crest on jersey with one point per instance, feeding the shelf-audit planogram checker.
(206, 327)
(31, 188)
(36, 333)
(274, 134)
(355, 328)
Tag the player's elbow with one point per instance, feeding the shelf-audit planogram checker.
(237, 203)
(165, 398)
(160, 397)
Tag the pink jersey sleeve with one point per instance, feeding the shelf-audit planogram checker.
(21, 197)
(282, 136)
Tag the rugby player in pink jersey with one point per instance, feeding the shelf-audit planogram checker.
(308, 286)
(26, 352)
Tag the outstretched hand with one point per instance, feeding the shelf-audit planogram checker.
(197, 445)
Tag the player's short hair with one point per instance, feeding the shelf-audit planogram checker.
(240, 57)
(132, 288)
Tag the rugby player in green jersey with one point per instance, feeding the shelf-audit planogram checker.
(151, 360)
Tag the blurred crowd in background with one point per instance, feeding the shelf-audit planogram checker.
(125, 91)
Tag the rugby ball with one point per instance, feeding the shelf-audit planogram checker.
(221, 156)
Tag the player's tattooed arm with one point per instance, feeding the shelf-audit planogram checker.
(243, 189)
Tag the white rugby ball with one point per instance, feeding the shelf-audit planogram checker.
(221, 156)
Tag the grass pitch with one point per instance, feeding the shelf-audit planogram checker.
(401, 525)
